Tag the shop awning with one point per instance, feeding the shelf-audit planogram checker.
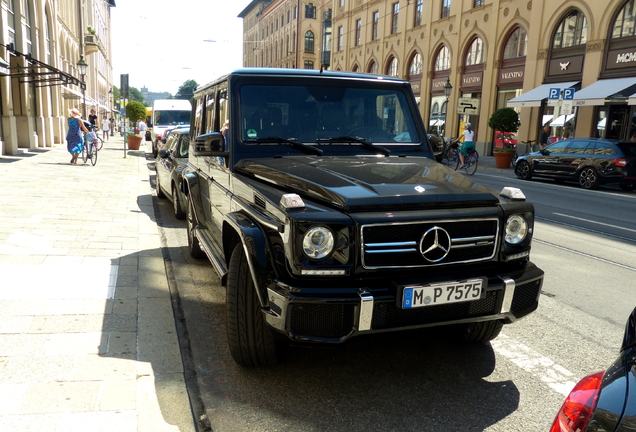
(436, 123)
(534, 97)
(596, 94)
(547, 119)
(561, 120)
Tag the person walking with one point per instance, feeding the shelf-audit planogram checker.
(468, 146)
(105, 128)
(141, 126)
(545, 136)
(74, 136)
(92, 118)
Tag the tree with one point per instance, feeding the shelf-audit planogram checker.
(135, 95)
(186, 91)
(505, 120)
(135, 111)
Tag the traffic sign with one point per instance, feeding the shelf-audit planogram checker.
(568, 94)
(555, 93)
(468, 106)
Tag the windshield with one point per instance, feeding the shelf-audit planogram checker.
(333, 115)
(172, 118)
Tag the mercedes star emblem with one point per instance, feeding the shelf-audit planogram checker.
(435, 244)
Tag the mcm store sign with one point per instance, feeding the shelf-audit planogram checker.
(622, 58)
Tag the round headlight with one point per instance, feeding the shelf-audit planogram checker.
(516, 229)
(318, 242)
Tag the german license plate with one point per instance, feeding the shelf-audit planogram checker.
(442, 293)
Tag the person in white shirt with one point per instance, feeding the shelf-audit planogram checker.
(468, 146)
(105, 127)
(142, 128)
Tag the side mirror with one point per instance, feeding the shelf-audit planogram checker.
(211, 144)
(164, 153)
(544, 152)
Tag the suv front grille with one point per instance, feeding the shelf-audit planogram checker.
(402, 244)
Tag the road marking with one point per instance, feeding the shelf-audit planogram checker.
(594, 222)
(584, 254)
(555, 376)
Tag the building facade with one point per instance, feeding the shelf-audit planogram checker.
(42, 44)
(287, 34)
(498, 53)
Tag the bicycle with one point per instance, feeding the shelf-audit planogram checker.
(451, 156)
(527, 148)
(92, 144)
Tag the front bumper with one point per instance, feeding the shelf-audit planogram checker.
(316, 316)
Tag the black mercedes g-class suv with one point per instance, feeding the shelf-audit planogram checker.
(317, 199)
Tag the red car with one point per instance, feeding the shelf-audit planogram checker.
(505, 139)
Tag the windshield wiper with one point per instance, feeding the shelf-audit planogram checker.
(365, 143)
(293, 141)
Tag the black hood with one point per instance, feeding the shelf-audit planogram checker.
(370, 183)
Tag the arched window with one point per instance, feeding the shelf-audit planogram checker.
(435, 108)
(625, 24)
(29, 28)
(309, 64)
(517, 44)
(442, 62)
(392, 67)
(373, 67)
(475, 54)
(415, 67)
(355, 68)
(47, 38)
(309, 42)
(571, 31)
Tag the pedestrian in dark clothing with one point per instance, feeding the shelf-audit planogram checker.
(545, 135)
(92, 118)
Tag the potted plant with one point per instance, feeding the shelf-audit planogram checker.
(135, 111)
(504, 121)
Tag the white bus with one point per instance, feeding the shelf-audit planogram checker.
(168, 114)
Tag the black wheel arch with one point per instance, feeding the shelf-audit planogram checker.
(238, 227)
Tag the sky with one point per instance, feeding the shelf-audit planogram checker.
(160, 43)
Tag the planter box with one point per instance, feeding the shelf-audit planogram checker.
(134, 142)
(503, 159)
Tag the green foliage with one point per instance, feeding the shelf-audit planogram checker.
(504, 120)
(135, 94)
(135, 111)
(503, 149)
(186, 91)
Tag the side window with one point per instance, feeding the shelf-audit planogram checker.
(577, 147)
(558, 147)
(209, 113)
(603, 149)
(184, 145)
(224, 112)
(170, 144)
(198, 126)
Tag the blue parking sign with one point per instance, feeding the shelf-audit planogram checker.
(555, 93)
(568, 94)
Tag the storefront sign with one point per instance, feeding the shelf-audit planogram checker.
(622, 58)
(437, 85)
(416, 84)
(513, 75)
(566, 66)
(472, 80)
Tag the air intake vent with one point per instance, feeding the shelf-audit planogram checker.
(259, 201)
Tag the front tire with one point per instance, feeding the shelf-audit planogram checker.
(176, 204)
(588, 178)
(481, 332)
(523, 170)
(251, 341)
(194, 247)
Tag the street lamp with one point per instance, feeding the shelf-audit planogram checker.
(82, 66)
(448, 88)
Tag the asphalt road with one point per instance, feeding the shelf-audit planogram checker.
(421, 381)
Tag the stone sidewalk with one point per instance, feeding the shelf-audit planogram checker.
(87, 333)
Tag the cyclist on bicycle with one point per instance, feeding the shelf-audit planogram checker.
(468, 145)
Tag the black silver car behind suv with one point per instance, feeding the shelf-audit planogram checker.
(589, 161)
